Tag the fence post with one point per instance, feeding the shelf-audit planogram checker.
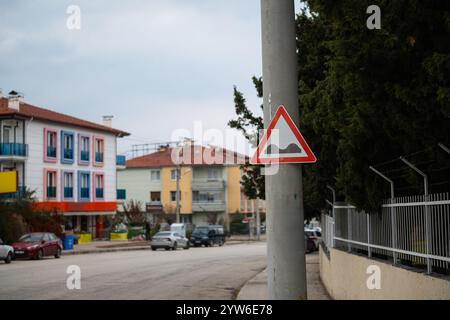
(427, 215)
(369, 250)
(393, 217)
(349, 229)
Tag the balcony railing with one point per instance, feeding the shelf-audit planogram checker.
(99, 193)
(51, 152)
(212, 206)
(99, 157)
(84, 193)
(68, 192)
(51, 192)
(21, 193)
(13, 149)
(121, 160)
(68, 154)
(121, 194)
(84, 155)
(208, 185)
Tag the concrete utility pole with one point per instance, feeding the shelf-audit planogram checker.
(284, 194)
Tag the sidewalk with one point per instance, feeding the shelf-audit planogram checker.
(256, 288)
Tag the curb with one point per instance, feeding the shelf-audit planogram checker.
(71, 253)
(238, 290)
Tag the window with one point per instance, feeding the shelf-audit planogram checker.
(155, 175)
(50, 145)
(99, 150)
(47, 237)
(173, 175)
(155, 196)
(84, 149)
(50, 184)
(67, 147)
(203, 197)
(99, 186)
(213, 174)
(173, 196)
(67, 182)
(83, 185)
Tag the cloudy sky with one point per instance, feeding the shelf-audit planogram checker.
(156, 65)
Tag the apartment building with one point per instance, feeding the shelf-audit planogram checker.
(69, 163)
(209, 190)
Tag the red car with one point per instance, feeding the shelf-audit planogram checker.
(37, 245)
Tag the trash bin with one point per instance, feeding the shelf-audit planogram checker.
(67, 241)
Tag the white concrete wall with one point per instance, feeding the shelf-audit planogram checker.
(138, 184)
(345, 277)
(35, 165)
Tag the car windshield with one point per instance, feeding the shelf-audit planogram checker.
(202, 231)
(34, 237)
(163, 234)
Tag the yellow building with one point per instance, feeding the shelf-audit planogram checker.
(210, 189)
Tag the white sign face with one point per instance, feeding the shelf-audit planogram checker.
(283, 143)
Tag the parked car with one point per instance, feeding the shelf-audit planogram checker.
(208, 236)
(314, 236)
(309, 244)
(37, 245)
(6, 252)
(169, 240)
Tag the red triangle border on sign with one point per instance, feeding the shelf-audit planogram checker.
(281, 112)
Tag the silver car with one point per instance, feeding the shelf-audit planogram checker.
(6, 252)
(169, 240)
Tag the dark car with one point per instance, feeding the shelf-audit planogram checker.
(208, 236)
(37, 245)
(309, 244)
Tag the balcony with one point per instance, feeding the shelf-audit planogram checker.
(13, 150)
(154, 206)
(21, 193)
(208, 185)
(51, 152)
(121, 161)
(68, 192)
(213, 206)
(99, 157)
(121, 194)
(99, 193)
(84, 193)
(51, 192)
(84, 155)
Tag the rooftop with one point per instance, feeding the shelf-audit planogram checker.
(29, 111)
(199, 155)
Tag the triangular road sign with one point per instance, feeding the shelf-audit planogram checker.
(283, 143)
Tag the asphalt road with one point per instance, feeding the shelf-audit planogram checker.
(197, 273)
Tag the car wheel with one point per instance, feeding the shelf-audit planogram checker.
(221, 243)
(153, 248)
(175, 245)
(58, 253)
(211, 243)
(8, 258)
(168, 248)
(40, 255)
(187, 246)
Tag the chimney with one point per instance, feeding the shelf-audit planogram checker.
(14, 100)
(107, 121)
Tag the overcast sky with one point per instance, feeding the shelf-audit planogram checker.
(156, 65)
